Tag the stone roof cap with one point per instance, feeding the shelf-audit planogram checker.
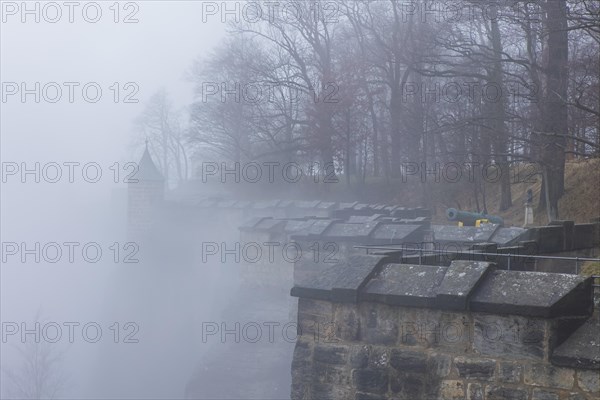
(464, 285)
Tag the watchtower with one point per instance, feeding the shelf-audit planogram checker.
(145, 192)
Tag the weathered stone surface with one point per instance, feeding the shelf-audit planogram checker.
(378, 324)
(434, 329)
(321, 391)
(385, 348)
(463, 234)
(505, 236)
(269, 225)
(301, 373)
(405, 285)
(379, 357)
(347, 322)
(396, 233)
(486, 248)
(589, 381)
(302, 357)
(480, 369)
(368, 396)
(408, 386)
(315, 319)
(361, 219)
(498, 292)
(550, 238)
(510, 372)
(460, 280)
(475, 391)
(334, 355)
(359, 356)
(409, 361)
(315, 307)
(585, 235)
(331, 375)
(582, 348)
(509, 337)
(371, 380)
(319, 227)
(440, 364)
(338, 282)
(494, 392)
(533, 294)
(542, 394)
(310, 232)
(350, 232)
(448, 331)
(297, 226)
(452, 390)
(549, 376)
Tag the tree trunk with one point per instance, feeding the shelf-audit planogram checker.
(499, 115)
(555, 109)
(395, 132)
(374, 123)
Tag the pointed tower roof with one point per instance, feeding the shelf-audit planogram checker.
(147, 170)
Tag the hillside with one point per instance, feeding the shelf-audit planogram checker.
(580, 203)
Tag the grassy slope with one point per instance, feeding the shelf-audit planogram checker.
(580, 203)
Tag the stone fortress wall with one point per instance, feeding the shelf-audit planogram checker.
(379, 330)
(404, 324)
(382, 327)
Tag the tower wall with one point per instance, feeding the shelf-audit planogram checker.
(144, 201)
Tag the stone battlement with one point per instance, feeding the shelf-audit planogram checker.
(372, 329)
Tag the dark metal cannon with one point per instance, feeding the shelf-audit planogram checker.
(470, 219)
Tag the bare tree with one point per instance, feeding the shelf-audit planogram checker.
(540, 57)
(166, 135)
(38, 373)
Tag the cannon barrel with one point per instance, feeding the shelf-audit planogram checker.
(469, 218)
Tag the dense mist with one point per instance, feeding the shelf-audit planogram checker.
(168, 169)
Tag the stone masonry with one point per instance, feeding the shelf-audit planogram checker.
(393, 331)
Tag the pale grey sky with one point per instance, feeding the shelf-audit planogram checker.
(155, 52)
(152, 53)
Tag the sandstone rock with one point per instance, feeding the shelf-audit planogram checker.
(409, 361)
(480, 369)
(371, 380)
(500, 336)
(541, 394)
(334, 355)
(589, 381)
(452, 390)
(510, 372)
(475, 391)
(493, 392)
(549, 376)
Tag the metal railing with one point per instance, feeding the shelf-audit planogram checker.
(473, 252)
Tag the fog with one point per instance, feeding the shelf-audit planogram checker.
(145, 144)
(152, 53)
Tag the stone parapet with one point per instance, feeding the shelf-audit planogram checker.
(371, 329)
